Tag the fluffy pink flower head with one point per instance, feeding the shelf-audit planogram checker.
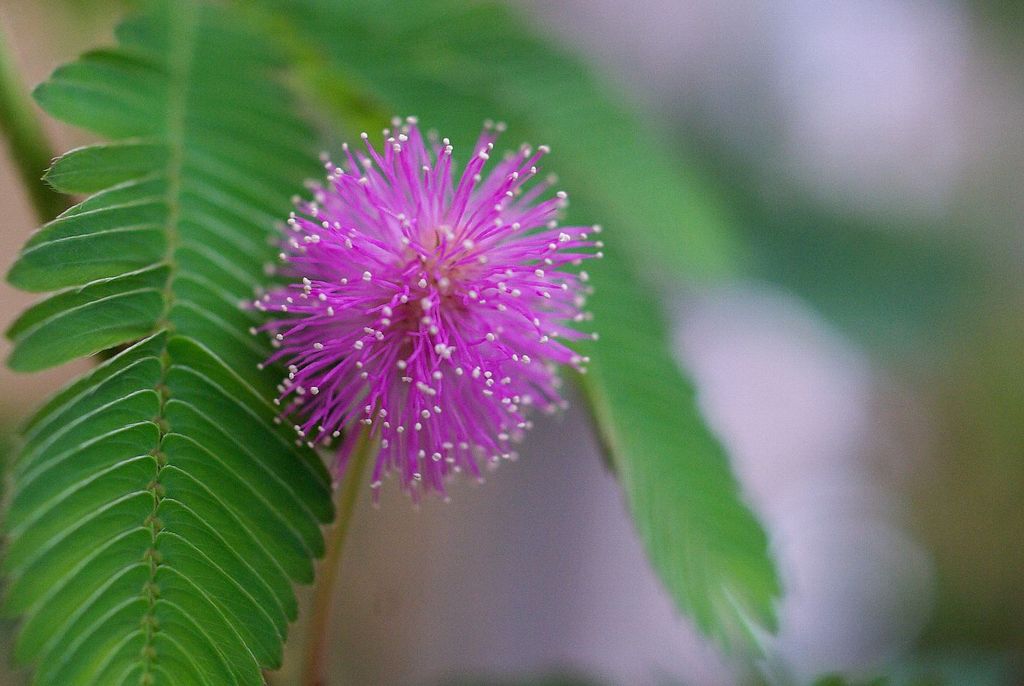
(430, 306)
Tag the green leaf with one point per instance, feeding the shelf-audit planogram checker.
(78, 260)
(158, 515)
(99, 323)
(97, 167)
(455, 64)
(704, 541)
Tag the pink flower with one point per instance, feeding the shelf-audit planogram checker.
(431, 307)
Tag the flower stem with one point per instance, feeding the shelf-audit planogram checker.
(28, 147)
(319, 623)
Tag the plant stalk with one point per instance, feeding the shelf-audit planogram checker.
(318, 630)
(29, 150)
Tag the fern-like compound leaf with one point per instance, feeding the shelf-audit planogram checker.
(159, 516)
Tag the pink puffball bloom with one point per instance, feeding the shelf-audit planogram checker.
(432, 307)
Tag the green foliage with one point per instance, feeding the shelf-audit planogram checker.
(158, 515)
(455, 64)
(707, 546)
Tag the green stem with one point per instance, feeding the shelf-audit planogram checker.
(29, 149)
(323, 594)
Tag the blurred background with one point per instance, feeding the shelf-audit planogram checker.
(867, 375)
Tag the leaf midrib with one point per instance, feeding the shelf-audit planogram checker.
(181, 40)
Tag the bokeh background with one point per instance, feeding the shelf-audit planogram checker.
(867, 375)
